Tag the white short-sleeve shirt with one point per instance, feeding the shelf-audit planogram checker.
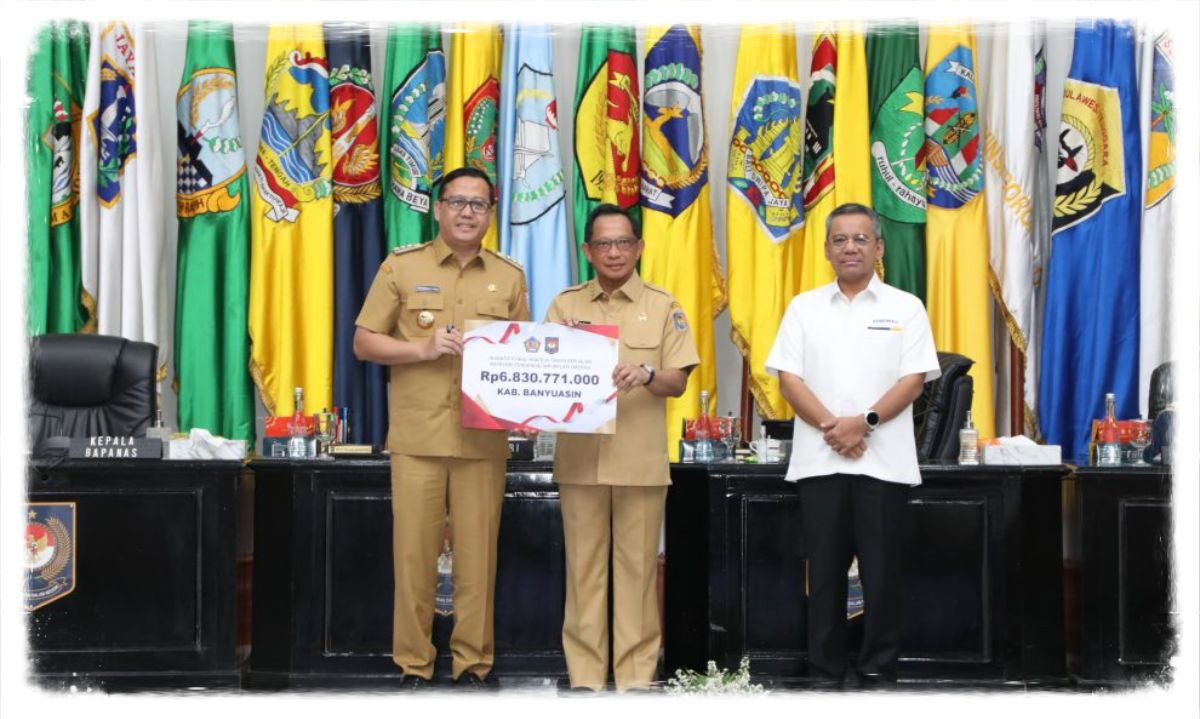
(849, 353)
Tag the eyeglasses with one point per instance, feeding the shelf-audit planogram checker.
(458, 204)
(624, 244)
(860, 241)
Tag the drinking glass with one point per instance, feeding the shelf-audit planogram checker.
(733, 436)
(1140, 440)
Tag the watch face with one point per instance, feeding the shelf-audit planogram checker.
(873, 418)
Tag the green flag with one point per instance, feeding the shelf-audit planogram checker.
(607, 162)
(414, 127)
(212, 350)
(57, 73)
(896, 98)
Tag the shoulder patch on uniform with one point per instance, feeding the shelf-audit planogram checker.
(678, 317)
(506, 258)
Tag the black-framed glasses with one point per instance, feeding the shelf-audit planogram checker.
(859, 240)
(458, 204)
(624, 244)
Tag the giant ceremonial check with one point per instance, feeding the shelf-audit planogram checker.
(539, 375)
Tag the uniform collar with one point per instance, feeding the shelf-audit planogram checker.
(872, 289)
(632, 289)
(442, 251)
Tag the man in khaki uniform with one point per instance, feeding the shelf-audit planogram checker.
(411, 320)
(614, 487)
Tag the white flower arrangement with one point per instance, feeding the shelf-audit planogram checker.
(714, 681)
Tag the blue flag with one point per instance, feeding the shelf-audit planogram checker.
(358, 235)
(533, 215)
(1090, 333)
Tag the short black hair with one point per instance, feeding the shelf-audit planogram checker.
(468, 172)
(853, 208)
(601, 211)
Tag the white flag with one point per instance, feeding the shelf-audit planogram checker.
(1156, 84)
(121, 189)
(1015, 186)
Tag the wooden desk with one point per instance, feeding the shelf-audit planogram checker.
(984, 598)
(155, 602)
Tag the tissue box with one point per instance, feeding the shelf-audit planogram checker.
(1022, 453)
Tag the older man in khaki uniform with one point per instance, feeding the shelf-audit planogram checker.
(614, 487)
(411, 320)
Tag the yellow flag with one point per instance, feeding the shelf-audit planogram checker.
(472, 102)
(956, 230)
(837, 157)
(680, 254)
(291, 256)
(764, 200)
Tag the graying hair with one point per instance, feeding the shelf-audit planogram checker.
(853, 208)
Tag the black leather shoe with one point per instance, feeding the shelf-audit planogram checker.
(413, 682)
(471, 681)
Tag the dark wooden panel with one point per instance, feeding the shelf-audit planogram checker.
(771, 559)
(358, 564)
(156, 574)
(1144, 620)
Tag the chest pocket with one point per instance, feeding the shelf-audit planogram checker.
(492, 308)
(418, 302)
(642, 343)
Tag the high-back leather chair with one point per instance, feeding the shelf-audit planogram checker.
(941, 409)
(84, 385)
(1162, 388)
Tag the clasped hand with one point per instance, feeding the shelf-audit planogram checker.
(845, 435)
(445, 341)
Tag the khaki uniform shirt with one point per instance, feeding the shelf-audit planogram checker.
(655, 332)
(425, 396)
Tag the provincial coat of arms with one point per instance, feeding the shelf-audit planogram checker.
(952, 154)
(537, 170)
(210, 158)
(675, 146)
(898, 152)
(62, 137)
(766, 154)
(607, 117)
(479, 123)
(114, 123)
(288, 170)
(355, 131)
(1091, 152)
(818, 122)
(49, 553)
(1160, 158)
(418, 131)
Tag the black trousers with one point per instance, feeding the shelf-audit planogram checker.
(846, 515)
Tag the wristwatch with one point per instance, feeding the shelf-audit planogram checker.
(649, 369)
(871, 417)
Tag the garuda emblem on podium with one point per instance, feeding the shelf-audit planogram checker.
(49, 553)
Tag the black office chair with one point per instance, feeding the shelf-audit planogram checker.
(1162, 388)
(84, 385)
(941, 409)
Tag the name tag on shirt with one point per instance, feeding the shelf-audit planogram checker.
(428, 288)
(885, 325)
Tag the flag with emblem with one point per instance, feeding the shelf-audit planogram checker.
(895, 88)
(473, 97)
(607, 151)
(1157, 95)
(57, 70)
(291, 222)
(956, 239)
(532, 212)
(358, 236)
(120, 196)
(763, 200)
(212, 281)
(1090, 333)
(1016, 182)
(836, 140)
(414, 117)
(680, 254)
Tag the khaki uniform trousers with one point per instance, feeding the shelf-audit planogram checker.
(422, 488)
(629, 519)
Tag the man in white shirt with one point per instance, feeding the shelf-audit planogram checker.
(851, 357)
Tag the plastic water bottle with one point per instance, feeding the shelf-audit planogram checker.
(298, 434)
(704, 442)
(968, 442)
